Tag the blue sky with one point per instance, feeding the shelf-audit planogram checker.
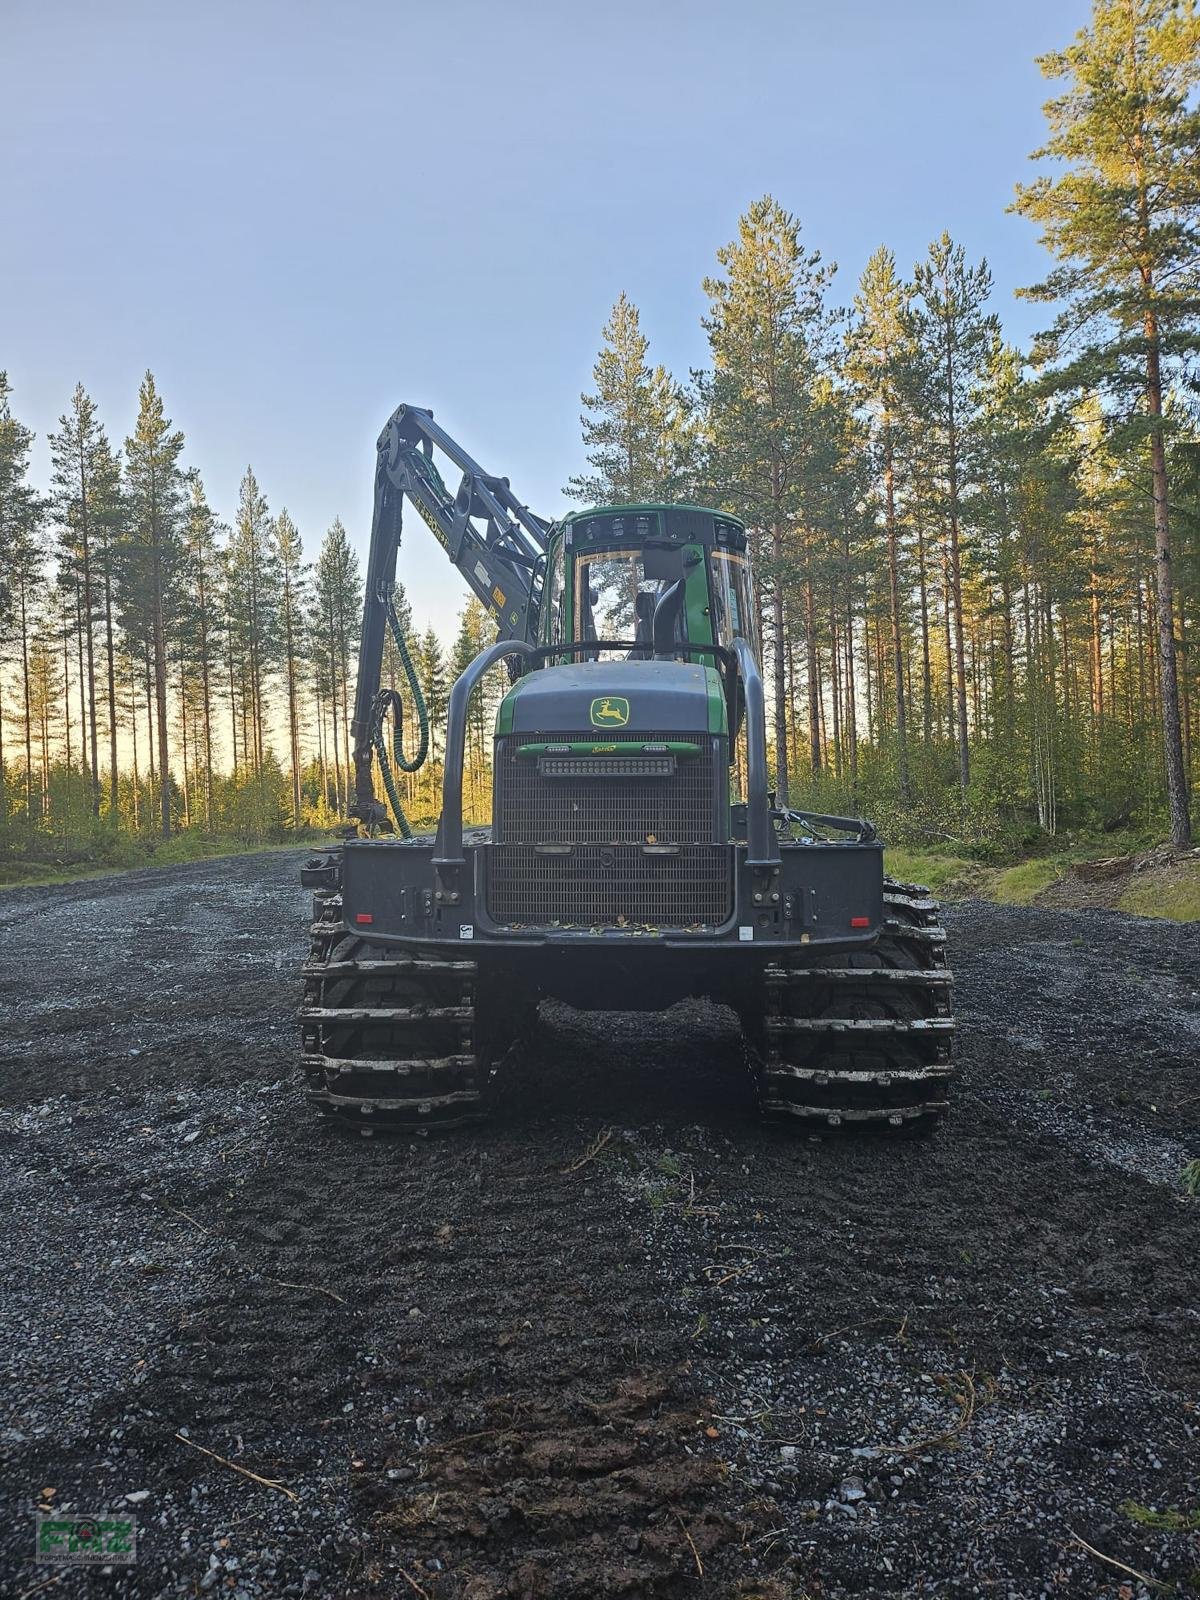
(298, 215)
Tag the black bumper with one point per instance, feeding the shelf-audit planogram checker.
(824, 894)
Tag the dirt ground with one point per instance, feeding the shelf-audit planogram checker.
(621, 1342)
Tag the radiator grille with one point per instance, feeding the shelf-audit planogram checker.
(609, 886)
(583, 808)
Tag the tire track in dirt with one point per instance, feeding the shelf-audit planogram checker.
(819, 1368)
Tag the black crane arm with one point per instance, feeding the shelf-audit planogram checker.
(497, 543)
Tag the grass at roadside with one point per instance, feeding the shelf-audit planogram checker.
(1170, 889)
(1020, 885)
(1175, 895)
(73, 863)
(951, 876)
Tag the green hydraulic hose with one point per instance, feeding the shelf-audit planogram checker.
(389, 700)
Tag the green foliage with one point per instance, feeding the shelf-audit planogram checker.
(1170, 1521)
(1123, 218)
(334, 623)
(254, 805)
(1123, 222)
(774, 428)
(1190, 1178)
(946, 876)
(636, 427)
(1174, 895)
(1020, 885)
(20, 509)
(101, 852)
(767, 329)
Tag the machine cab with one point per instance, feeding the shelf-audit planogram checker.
(609, 569)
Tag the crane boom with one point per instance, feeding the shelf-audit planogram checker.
(495, 541)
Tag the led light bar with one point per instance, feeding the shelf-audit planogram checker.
(606, 766)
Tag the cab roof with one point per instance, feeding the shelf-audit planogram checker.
(650, 505)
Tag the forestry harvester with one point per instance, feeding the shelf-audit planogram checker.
(621, 871)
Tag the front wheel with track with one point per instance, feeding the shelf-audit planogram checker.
(394, 1038)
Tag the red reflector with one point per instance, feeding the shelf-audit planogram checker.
(364, 916)
(855, 922)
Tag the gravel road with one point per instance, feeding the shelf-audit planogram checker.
(622, 1341)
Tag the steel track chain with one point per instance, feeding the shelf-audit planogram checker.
(388, 1036)
(863, 1040)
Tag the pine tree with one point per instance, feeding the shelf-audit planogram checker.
(21, 565)
(108, 520)
(200, 641)
(432, 674)
(253, 606)
(636, 427)
(18, 501)
(1124, 223)
(151, 555)
(953, 336)
(476, 631)
(767, 329)
(335, 621)
(83, 487)
(46, 690)
(293, 574)
(880, 352)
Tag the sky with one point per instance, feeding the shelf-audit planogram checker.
(299, 215)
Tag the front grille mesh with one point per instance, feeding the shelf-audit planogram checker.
(531, 808)
(609, 886)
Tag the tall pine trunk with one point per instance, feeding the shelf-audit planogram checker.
(960, 660)
(110, 653)
(86, 543)
(779, 665)
(889, 484)
(1177, 784)
(813, 665)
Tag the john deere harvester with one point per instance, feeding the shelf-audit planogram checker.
(636, 854)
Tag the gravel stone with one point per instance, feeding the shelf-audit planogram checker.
(922, 1367)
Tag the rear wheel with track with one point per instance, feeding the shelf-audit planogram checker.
(862, 1038)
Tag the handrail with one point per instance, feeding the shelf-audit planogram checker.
(762, 843)
(448, 846)
(543, 652)
(815, 819)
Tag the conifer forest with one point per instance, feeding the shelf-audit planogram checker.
(979, 563)
(530, 1067)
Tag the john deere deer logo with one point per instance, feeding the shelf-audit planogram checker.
(610, 712)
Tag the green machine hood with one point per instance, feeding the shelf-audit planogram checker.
(616, 699)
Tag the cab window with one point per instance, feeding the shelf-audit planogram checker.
(732, 610)
(615, 599)
(552, 628)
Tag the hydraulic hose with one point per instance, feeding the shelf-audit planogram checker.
(389, 700)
